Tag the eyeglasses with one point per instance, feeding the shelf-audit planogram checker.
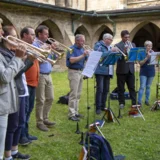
(127, 37)
(110, 39)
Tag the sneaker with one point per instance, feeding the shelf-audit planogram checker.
(32, 138)
(147, 104)
(98, 111)
(42, 127)
(121, 106)
(24, 141)
(48, 123)
(79, 116)
(19, 155)
(74, 118)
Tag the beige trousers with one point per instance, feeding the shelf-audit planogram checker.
(75, 81)
(44, 98)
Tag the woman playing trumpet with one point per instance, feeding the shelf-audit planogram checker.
(147, 73)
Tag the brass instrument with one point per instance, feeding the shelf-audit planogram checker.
(61, 48)
(121, 52)
(59, 51)
(128, 45)
(87, 47)
(38, 53)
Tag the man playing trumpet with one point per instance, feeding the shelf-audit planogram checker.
(44, 91)
(125, 71)
(32, 75)
(75, 63)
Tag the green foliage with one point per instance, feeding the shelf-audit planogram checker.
(135, 138)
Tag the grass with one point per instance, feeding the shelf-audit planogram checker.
(135, 138)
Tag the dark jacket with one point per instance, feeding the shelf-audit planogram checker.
(124, 67)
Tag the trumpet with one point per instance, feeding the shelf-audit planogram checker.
(61, 48)
(38, 53)
(59, 51)
(128, 45)
(87, 47)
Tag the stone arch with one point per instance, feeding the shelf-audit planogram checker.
(100, 31)
(55, 33)
(6, 21)
(54, 30)
(146, 31)
(82, 30)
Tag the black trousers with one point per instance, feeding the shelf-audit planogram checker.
(129, 79)
(102, 82)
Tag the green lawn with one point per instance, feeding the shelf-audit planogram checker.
(135, 138)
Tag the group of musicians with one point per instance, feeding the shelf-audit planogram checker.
(24, 78)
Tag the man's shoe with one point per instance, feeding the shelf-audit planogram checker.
(74, 118)
(42, 127)
(79, 116)
(48, 123)
(102, 109)
(147, 104)
(121, 106)
(98, 111)
(24, 141)
(19, 155)
(32, 138)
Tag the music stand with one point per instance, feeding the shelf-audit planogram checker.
(110, 59)
(155, 60)
(136, 54)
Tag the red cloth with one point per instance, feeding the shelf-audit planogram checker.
(32, 74)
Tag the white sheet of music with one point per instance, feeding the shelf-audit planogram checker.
(154, 59)
(91, 63)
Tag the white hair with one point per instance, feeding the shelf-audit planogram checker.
(1, 21)
(146, 43)
(77, 36)
(107, 35)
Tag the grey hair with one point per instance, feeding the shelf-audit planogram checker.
(78, 36)
(107, 35)
(1, 21)
(146, 43)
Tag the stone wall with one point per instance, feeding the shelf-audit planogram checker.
(63, 26)
(100, 5)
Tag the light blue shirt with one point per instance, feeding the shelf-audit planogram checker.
(45, 67)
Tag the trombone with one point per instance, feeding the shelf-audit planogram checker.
(38, 53)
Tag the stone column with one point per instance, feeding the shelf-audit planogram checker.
(60, 3)
(68, 3)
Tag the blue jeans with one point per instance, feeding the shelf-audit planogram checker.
(28, 109)
(102, 90)
(145, 83)
(15, 123)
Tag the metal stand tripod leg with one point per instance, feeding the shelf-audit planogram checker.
(108, 111)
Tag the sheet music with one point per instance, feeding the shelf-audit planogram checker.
(92, 63)
(154, 59)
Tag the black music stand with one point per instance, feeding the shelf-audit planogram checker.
(136, 54)
(110, 59)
